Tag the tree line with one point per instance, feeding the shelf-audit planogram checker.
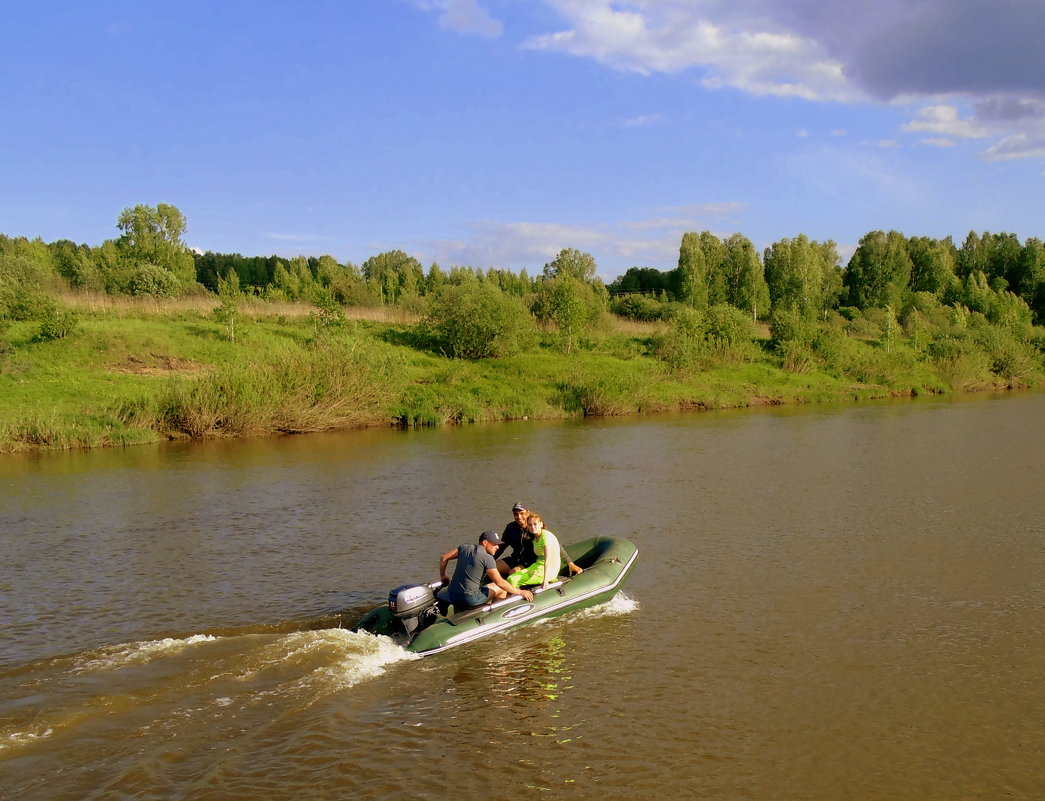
(990, 274)
(993, 275)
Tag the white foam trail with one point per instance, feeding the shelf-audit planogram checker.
(619, 604)
(136, 653)
(17, 738)
(358, 656)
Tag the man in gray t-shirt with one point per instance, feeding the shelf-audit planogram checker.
(473, 563)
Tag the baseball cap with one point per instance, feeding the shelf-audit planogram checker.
(520, 507)
(490, 536)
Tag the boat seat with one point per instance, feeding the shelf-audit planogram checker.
(446, 606)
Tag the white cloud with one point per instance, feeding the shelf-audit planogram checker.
(669, 37)
(938, 141)
(888, 143)
(944, 119)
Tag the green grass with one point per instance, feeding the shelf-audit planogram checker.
(133, 375)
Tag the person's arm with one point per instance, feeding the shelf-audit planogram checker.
(444, 560)
(551, 557)
(495, 578)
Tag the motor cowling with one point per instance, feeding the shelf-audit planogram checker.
(413, 604)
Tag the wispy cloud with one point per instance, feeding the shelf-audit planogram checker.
(648, 241)
(642, 120)
(281, 237)
(463, 16)
(1018, 146)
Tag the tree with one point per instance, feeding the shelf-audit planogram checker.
(569, 311)
(691, 276)
(154, 236)
(435, 279)
(75, 264)
(933, 265)
(745, 277)
(644, 280)
(573, 263)
(879, 272)
(714, 251)
(1032, 277)
(231, 298)
(329, 316)
(393, 275)
(802, 276)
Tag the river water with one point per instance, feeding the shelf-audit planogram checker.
(829, 603)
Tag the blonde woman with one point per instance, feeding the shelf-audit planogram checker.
(548, 551)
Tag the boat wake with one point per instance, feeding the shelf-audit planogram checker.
(161, 684)
(156, 688)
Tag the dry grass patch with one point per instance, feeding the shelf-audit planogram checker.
(202, 305)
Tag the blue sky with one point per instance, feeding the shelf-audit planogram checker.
(493, 133)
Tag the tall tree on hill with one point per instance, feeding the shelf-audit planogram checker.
(153, 236)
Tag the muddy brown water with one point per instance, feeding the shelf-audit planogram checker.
(829, 603)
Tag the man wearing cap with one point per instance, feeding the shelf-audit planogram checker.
(473, 563)
(517, 538)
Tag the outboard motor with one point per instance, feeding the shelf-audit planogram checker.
(414, 605)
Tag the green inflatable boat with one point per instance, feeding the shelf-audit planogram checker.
(424, 623)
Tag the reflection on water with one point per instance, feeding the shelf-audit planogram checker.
(829, 603)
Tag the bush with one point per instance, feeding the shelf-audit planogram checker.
(638, 307)
(1009, 358)
(684, 345)
(478, 321)
(722, 334)
(56, 322)
(787, 325)
(729, 330)
(20, 302)
(839, 353)
(796, 356)
(960, 362)
(151, 281)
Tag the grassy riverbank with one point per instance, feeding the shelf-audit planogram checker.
(136, 372)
